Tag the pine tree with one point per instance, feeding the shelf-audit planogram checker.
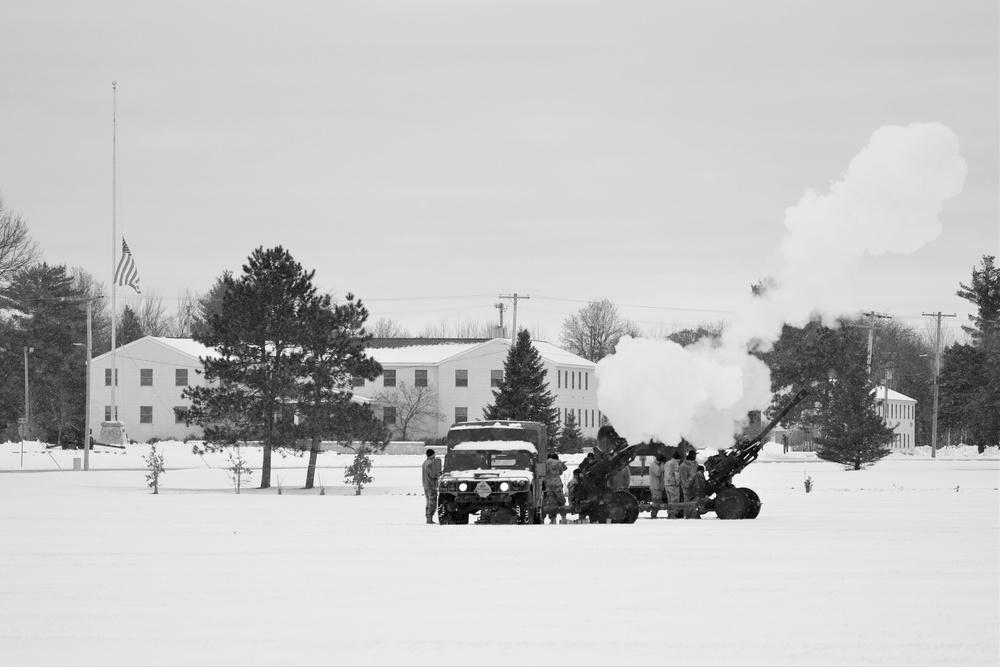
(569, 440)
(260, 337)
(969, 384)
(851, 431)
(129, 328)
(523, 394)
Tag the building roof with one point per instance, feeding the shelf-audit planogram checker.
(893, 395)
(186, 346)
(429, 354)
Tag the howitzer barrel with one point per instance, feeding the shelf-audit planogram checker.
(724, 466)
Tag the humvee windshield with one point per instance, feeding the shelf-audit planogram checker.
(487, 460)
(504, 433)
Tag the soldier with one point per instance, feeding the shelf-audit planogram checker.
(697, 493)
(656, 473)
(685, 472)
(431, 472)
(554, 498)
(572, 486)
(672, 482)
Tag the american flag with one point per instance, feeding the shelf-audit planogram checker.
(126, 274)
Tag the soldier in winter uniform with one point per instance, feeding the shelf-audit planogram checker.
(672, 481)
(696, 489)
(572, 485)
(685, 472)
(431, 472)
(554, 497)
(656, 482)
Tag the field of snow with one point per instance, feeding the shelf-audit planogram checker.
(897, 564)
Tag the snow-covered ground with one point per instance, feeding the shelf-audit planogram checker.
(897, 564)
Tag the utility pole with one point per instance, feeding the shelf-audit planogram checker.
(871, 335)
(501, 306)
(514, 298)
(937, 371)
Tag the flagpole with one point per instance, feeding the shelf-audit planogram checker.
(114, 242)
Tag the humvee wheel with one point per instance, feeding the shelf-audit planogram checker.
(525, 512)
(630, 504)
(732, 504)
(754, 500)
(504, 515)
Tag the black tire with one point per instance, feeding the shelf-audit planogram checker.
(503, 516)
(754, 501)
(731, 504)
(525, 512)
(631, 505)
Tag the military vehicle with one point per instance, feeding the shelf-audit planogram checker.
(494, 469)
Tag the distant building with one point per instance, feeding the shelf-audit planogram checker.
(463, 375)
(898, 413)
(152, 373)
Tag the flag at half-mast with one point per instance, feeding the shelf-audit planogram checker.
(126, 273)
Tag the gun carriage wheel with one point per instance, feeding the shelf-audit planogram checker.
(630, 505)
(732, 503)
(754, 500)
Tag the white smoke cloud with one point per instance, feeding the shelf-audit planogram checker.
(888, 201)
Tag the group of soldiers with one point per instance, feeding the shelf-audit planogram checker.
(677, 480)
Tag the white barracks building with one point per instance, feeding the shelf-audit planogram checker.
(460, 376)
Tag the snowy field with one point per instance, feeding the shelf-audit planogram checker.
(898, 564)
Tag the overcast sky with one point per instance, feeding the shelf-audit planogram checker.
(415, 152)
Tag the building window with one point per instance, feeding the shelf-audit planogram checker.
(389, 380)
(388, 415)
(107, 377)
(145, 414)
(180, 414)
(586, 381)
(107, 413)
(558, 379)
(180, 377)
(461, 415)
(145, 377)
(419, 378)
(461, 378)
(496, 377)
(572, 380)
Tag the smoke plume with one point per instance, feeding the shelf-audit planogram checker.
(888, 201)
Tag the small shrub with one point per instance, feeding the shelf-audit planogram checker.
(153, 440)
(238, 469)
(154, 461)
(357, 473)
(808, 484)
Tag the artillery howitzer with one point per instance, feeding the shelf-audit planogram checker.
(592, 499)
(731, 502)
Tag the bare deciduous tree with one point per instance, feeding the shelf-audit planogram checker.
(386, 328)
(414, 406)
(594, 330)
(18, 250)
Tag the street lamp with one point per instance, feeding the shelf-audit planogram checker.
(86, 410)
(27, 404)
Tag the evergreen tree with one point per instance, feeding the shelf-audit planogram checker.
(260, 337)
(128, 328)
(210, 304)
(334, 357)
(50, 319)
(569, 440)
(523, 394)
(969, 384)
(851, 430)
